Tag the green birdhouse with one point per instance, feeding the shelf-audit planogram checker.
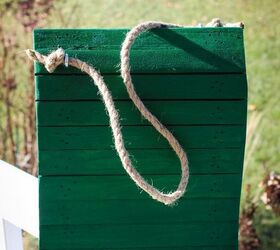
(194, 81)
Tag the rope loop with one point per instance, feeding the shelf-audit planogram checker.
(59, 57)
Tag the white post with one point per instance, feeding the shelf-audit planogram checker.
(2, 235)
(18, 206)
(11, 237)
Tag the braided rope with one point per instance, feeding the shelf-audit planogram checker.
(58, 57)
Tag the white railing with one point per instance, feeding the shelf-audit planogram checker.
(19, 208)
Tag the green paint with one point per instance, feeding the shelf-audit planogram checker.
(149, 87)
(122, 187)
(142, 235)
(168, 112)
(195, 50)
(110, 212)
(194, 81)
(147, 161)
(100, 137)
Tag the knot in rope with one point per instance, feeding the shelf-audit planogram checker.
(51, 62)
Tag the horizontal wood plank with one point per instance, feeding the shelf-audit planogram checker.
(156, 61)
(155, 87)
(84, 212)
(147, 161)
(195, 49)
(99, 137)
(133, 236)
(93, 188)
(93, 39)
(168, 112)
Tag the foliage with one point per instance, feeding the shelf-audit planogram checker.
(18, 136)
(271, 195)
(248, 238)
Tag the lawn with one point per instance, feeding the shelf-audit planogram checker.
(262, 43)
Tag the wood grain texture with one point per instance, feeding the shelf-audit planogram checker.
(126, 236)
(147, 161)
(195, 49)
(93, 188)
(168, 112)
(100, 137)
(149, 87)
(109, 212)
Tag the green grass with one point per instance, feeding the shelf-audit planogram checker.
(262, 44)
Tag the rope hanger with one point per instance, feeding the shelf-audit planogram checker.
(59, 57)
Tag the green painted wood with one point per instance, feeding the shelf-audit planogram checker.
(100, 137)
(93, 188)
(87, 201)
(168, 112)
(203, 86)
(81, 87)
(145, 61)
(110, 212)
(93, 39)
(142, 235)
(195, 49)
(147, 161)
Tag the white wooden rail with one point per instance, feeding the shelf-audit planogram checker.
(19, 208)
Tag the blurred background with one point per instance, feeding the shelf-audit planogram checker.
(260, 204)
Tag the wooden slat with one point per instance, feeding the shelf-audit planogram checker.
(93, 39)
(168, 112)
(133, 236)
(147, 161)
(84, 212)
(195, 49)
(99, 137)
(156, 61)
(93, 188)
(155, 87)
